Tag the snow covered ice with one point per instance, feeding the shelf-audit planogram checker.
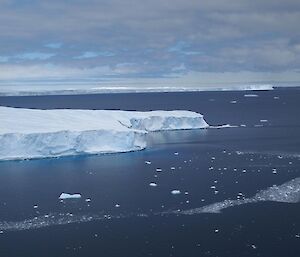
(30, 133)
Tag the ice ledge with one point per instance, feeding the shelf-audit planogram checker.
(28, 133)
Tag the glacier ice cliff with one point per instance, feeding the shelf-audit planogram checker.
(32, 133)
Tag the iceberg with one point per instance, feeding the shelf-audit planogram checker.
(64, 196)
(32, 133)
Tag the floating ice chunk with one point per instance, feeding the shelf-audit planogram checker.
(152, 184)
(117, 205)
(175, 192)
(147, 162)
(263, 120)
(88, 200)
(176, 153)
(158, 169)
(233, 102)
(64, 196)
(250, 95)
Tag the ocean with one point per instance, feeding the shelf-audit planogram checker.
(190, 193)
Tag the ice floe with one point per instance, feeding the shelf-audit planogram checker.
(64, 196)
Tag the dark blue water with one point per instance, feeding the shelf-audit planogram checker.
(211, 166)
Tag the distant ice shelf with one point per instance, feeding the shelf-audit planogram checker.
(31, 133)
(19, 90)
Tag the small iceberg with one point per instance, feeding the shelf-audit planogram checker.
(175, 192)
(64, 196)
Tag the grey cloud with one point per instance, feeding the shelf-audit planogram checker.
(215, 36)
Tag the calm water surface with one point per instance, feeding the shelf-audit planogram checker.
(121, 215)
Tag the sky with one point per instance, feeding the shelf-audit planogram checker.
(184, 41)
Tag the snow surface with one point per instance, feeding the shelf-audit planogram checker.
(31, 133)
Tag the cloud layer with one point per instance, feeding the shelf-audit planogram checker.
(156, 39)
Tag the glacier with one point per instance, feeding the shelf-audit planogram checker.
(33, 133)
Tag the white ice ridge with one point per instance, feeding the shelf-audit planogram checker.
(29, 133)
(288, 192)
